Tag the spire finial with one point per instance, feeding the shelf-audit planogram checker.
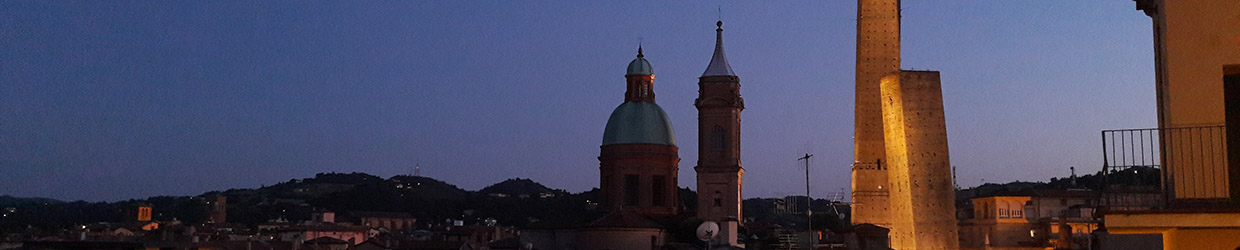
(639, 46)
(718, 62)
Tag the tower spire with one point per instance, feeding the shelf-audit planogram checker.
(719, 62)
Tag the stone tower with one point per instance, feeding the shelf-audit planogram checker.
(638, 159)
(219, 209)
(923, 211)
(719, 171)
(878, 55)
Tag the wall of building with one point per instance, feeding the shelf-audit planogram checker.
(389, 223)
(620, 238)
(549, 239)
(1001, 208)
(719, 172)
(1186, 239)
(1130, 242)
(980, 235)
(1192, 45)
(719, 193)
(996, 223)
(1047, 207)
(878, 55)
(294, 236)
(647, 162)
(923, 214)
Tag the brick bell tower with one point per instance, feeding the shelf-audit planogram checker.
(638, 161)
(719, 171)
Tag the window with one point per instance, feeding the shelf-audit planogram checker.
(985, 211)
(718, 141)
(631, 197)
(718, 199)
(658, 190)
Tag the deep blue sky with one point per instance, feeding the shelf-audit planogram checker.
(109, 100)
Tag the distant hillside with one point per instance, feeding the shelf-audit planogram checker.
(10, 201)
(513, 202)
(518, 187)
(1132, 178)
(298, 199)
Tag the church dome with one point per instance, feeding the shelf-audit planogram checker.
(640, 66)
(639, 123)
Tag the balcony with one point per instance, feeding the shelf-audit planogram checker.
(1168, 168)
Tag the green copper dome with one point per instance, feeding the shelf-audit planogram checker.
(640, 66)
(639, 123)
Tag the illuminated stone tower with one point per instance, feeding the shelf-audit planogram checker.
(719, 169)
(878, 55)
(638, 159)
(923, 211)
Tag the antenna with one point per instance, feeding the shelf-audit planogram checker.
(954, 184)
(809, 201)
(1073, 169)
(417, 170)
(720, 12)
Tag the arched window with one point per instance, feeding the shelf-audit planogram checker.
(718, 199)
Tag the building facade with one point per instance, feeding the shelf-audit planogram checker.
(638, 160)
(1031, 220)
(719, 171)
(1197, 88)
(1192, 48)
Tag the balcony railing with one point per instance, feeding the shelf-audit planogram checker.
(1148, 168)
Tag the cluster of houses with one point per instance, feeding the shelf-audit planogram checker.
(326, 231)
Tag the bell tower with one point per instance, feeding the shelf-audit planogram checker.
(719, 171)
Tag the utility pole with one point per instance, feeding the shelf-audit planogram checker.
(954, 184)
(809, 202)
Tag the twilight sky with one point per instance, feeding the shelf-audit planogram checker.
(110, 100)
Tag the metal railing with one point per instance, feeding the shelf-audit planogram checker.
(1142, 166)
